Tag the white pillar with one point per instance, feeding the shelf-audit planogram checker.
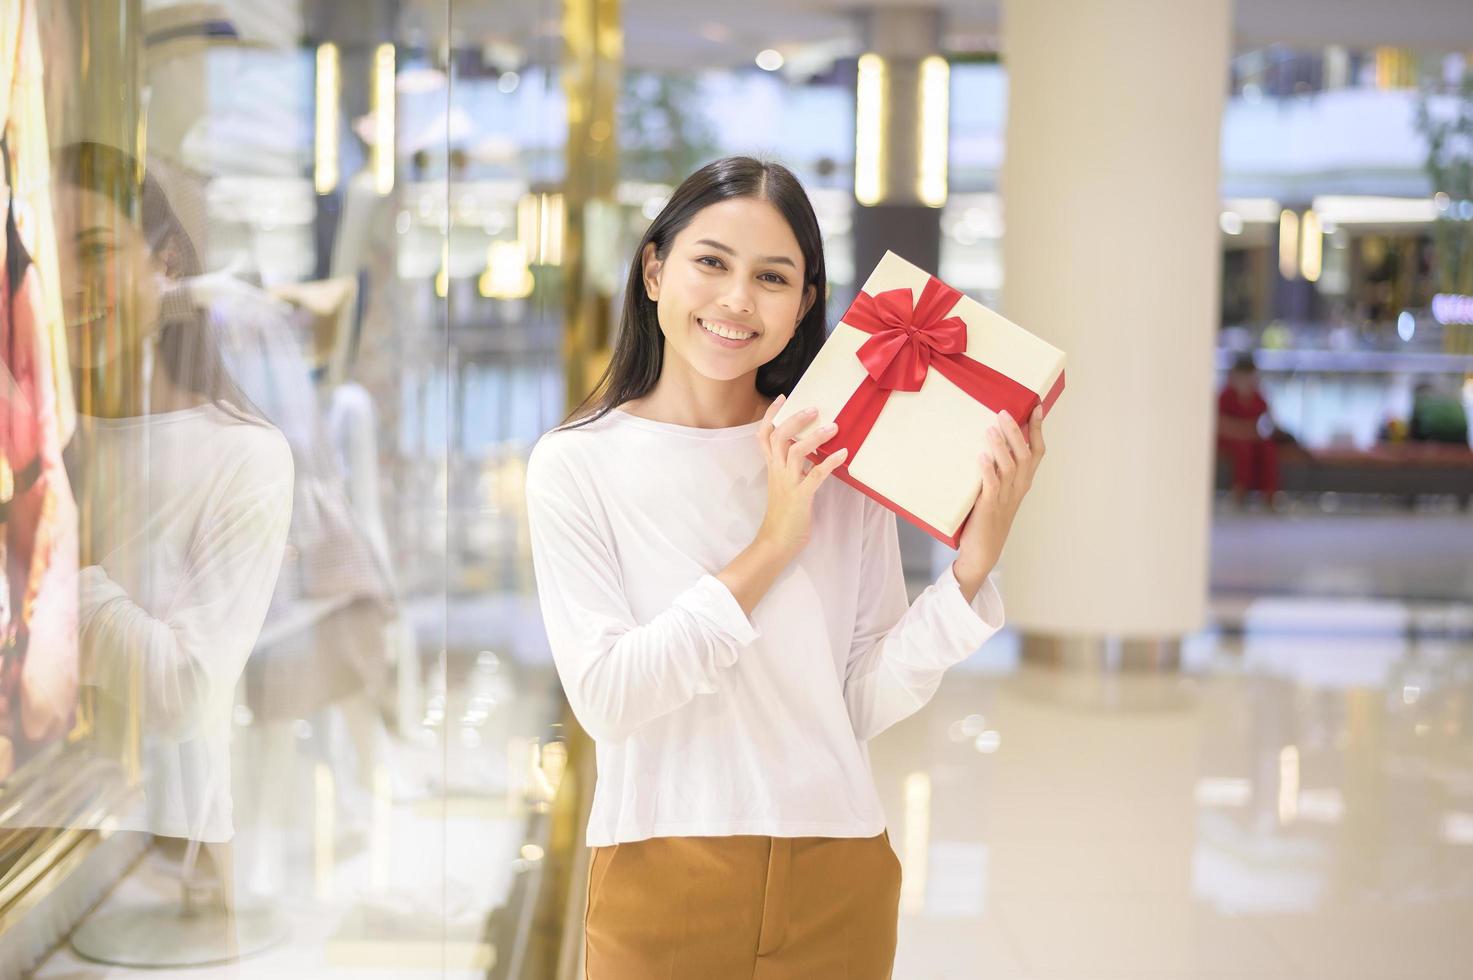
(1110, 192)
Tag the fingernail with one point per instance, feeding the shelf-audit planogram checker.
(781, 399)
(1004, 414)
(810, 411)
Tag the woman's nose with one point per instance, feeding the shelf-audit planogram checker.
(738, 299)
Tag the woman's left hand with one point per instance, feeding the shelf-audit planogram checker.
(1007, 473)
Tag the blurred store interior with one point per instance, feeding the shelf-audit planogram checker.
(1228, 732)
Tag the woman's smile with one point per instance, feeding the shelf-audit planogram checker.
(726, 334)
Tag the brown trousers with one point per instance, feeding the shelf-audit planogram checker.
(742, 908)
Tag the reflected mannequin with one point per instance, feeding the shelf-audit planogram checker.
(185, 493)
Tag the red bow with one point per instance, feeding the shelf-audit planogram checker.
(899, 354)
(907, 342)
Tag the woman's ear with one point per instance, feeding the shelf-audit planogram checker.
(810, 293)
(652, 266)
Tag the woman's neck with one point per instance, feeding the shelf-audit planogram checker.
(712, 405)
(682, 411)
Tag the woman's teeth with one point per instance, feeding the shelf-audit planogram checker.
(721, 331)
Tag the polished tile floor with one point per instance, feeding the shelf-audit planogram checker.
(1296, 802)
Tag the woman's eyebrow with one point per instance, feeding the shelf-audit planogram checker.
(774, 259)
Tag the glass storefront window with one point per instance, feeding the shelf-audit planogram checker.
(282, 319)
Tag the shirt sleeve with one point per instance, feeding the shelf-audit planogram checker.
(618, 673)
(189, 657)
(899, 652)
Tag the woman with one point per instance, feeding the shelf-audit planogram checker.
(187, 494)
(730, 626)
(1253, 458)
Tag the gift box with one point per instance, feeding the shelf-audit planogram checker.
(914, 374)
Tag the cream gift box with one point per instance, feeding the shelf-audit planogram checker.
(914, 374)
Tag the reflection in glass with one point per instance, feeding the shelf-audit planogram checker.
(186, 496)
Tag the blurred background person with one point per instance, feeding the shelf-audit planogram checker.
(1242, 417)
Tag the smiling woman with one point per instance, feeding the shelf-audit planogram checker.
(730, 626)
(723, 307)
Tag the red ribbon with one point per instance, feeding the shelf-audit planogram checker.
(907, 343)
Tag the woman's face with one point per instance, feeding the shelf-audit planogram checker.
(106, 266)
(736, 269)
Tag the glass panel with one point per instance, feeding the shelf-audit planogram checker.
(282, 320)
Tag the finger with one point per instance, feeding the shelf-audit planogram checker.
(797, 423)
(1002, 456)
(765, 429)
(1013, 435)
(782, 439)
(798, 461)
(821, 470)
(989, 477)
(1035, 432)
(772, 409)
(820, 435)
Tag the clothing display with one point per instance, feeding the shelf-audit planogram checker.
(38, 688)
(333, 566)
(23, 123)
(734, 908)
(188, 553)
(706, 722)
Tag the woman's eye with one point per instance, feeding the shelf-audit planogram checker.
(711, 262)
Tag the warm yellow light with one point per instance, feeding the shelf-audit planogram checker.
(869, 130)
(1288, 243)
(507, 275)
(1311, 246)
(1395, 68)
(325, 134)
(550, 248)
(383, 119)
(935, 118)
(442, 276)
(540, 227)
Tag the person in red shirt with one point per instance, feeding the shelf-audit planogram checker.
(1253, 457)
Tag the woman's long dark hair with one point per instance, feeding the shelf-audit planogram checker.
(186, 344)
(639, 349)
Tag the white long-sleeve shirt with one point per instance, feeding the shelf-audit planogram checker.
(189, 514)
(706, 722)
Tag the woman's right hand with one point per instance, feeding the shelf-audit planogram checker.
(791, 479)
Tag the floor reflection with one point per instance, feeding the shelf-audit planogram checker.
(1297, 802)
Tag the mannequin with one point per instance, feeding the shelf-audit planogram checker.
(38, 520)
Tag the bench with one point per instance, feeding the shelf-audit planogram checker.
(1406, 470)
